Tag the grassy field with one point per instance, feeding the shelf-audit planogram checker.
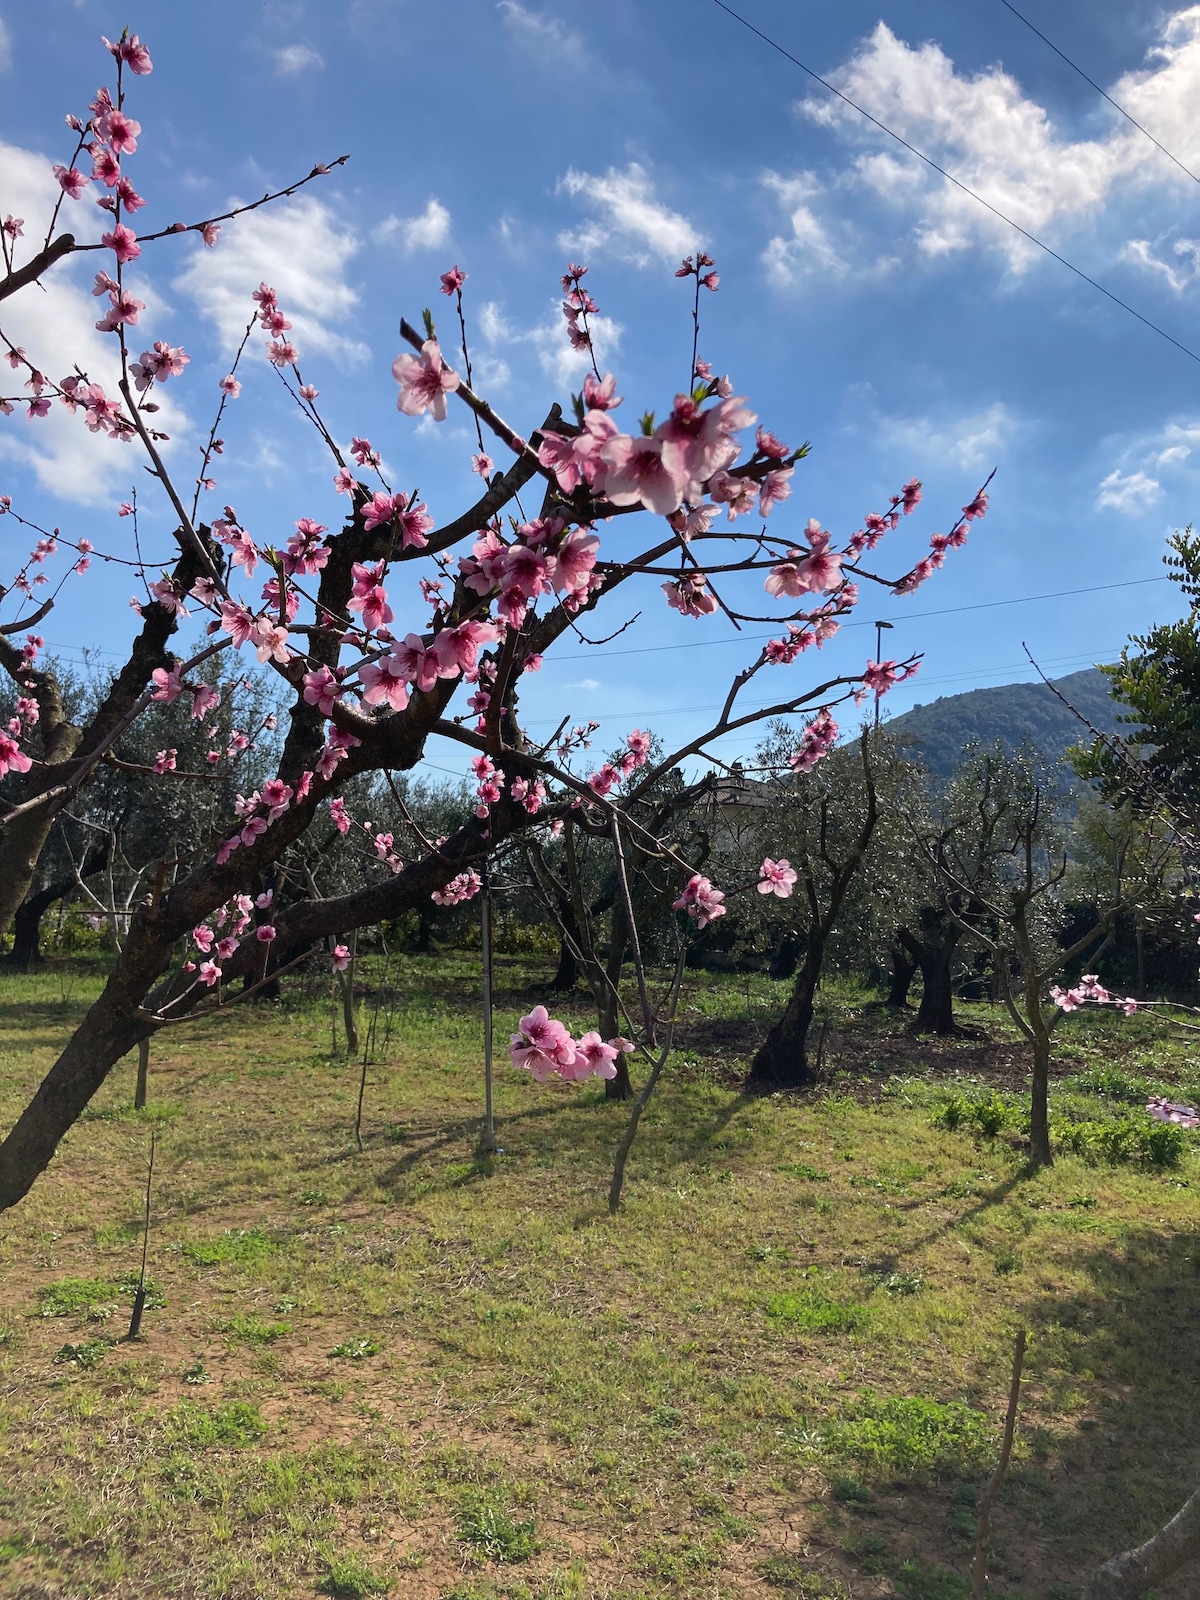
(780, 1370)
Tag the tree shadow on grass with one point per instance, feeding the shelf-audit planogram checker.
(1129, 1345)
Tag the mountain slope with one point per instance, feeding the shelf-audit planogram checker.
(1009, 714)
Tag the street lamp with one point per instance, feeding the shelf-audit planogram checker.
(879, 627)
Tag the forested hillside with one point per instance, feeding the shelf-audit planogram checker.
(1010, 714)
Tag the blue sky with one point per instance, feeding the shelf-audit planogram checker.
(864, 305)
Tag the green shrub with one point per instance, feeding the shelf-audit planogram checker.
(237, 1424)
(238, 1245)
(1117, 1140)
(911, 1438)
(1114, 1083)
(983, 1116)
(809, 1311)
(348, 1578)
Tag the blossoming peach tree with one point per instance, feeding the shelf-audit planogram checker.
(487, 592)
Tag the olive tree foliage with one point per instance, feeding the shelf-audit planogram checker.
(830, 824)
(485, 592)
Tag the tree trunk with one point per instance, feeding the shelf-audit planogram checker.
(143, 1075)
(567, 976)
(1135, 1571)
(26, 950)
(620, 1087)
(782, 1058)
(1040, 1153)
(903, 971)
(786, 958)
(936, 1011)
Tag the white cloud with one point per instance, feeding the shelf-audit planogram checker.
(6, 55)
(547, 38)
(428, 231)
(975, 440)
(631, 223)
(293, 59)
(55, 324)
(1130, 492)
(1002, 144)
(1141, 253)
(300, 249)
(809, 251)
(584, 683)
(548, 339)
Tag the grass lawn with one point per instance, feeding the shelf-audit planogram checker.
(781, 1370)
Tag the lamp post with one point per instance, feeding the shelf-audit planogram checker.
(879, 627)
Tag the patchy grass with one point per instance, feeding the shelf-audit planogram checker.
(417, 1371)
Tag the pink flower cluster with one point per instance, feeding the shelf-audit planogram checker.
(817, 740)
(1090, 988)
(777, 877)
(545, 1049)
(612, 773)
(701, 901)
(1172, 1111)
(465, 887)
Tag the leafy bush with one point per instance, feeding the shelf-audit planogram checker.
(1116, 1140)
(1114, 1083)
(240, 1245)
(237, 1424)
(984, 1116)
(809, 1311)
(902, 1438)
(348, 1578)
(487, 1526)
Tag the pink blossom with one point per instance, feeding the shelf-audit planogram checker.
(777, 877)
(321, 689)
(343, 481)
(124, 308)
(230, 386)
(339, 957)
(424, 381)
(774, 490)
(202, 938)
(543, 1047)
(593, 1059)
(106, 169)
(457, 649)
(465, 887)
(164, 761)
(270, 640)
(162, 362)
(736, 493)
(483, 464)
(264, 933)
(210, 233)
(978, 506)
(167, 686)
(204, 697)
(305, 553)
(122, 241)
(71, 181)
(639, 471)
(638, 744)
(236, 621)
(599, 394)
(453, 280)
(277, 797)
(815, 742)
(337, 814)
(12, 757)
(370, 597)
(820, 570)
(701, 901)
(880, 676)
(119, 132)
(576, 561)
(362, 452)
(209, 973)
(380, 509)
(690, 596)
(282, 353)
(132, 52)
(768, 445)
(384, 683)
(415, 524)
(910, 495)
(338, 746)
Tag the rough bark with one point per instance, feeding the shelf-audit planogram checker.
(1040, 1153)
(904, 970)
(1135, 1571)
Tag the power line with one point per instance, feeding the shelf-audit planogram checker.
(957, 182)
(1116, 107)
(912, 616)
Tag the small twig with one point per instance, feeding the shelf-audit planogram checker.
(643, 1100)
(139, 1299)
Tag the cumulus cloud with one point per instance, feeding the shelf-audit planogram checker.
(428, 231)
(55, 324)
(630, 221)
(1129, 492)
(984, 129)
(814, 247)
(976, 440)
(293, 59)
(297, 246)
(549, 342)
(547, 38)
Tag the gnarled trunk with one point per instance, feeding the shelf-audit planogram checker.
(782, 1059)
(933, 953)
(1135, 1571)
(904, 969)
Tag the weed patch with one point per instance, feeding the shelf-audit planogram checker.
(899, 1439)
